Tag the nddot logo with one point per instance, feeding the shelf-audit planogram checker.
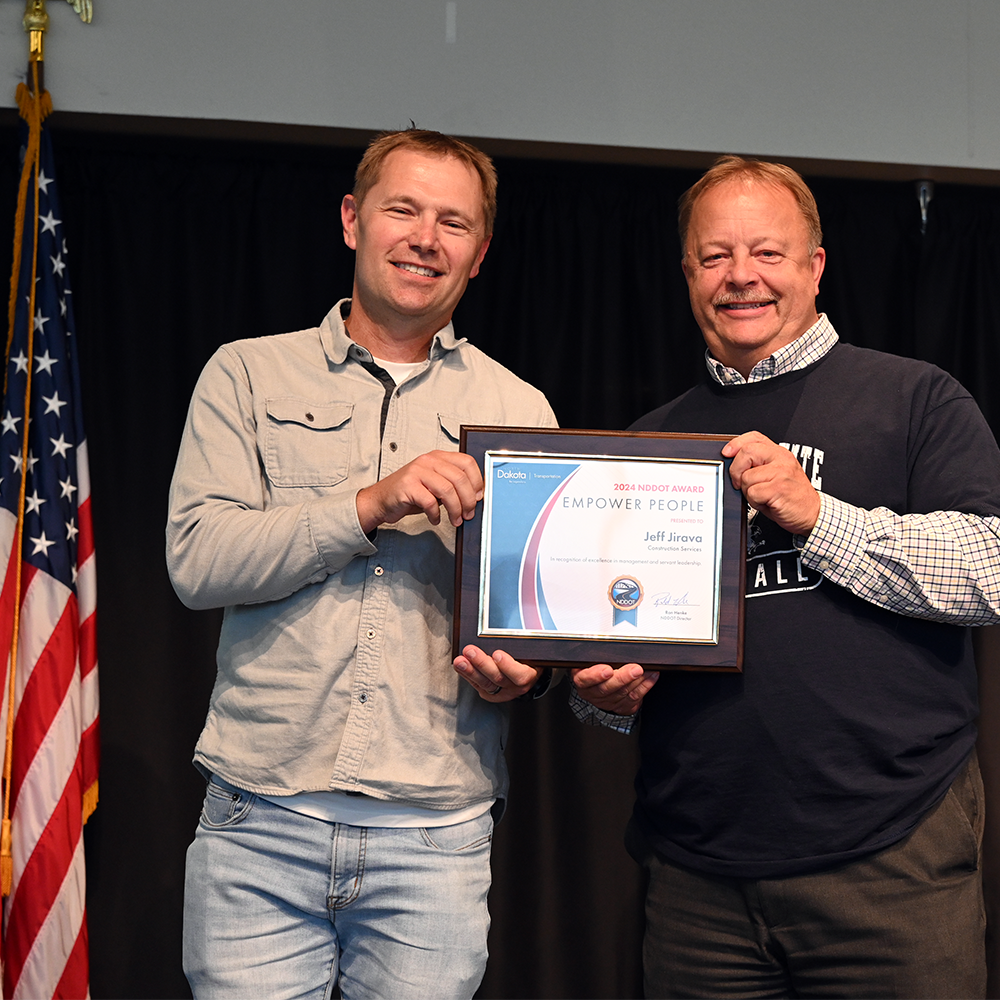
(504, 474)
(625, 595)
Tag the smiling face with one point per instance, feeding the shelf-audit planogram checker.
(751, 278)
(420, 236)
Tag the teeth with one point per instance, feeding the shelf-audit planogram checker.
(417, 269)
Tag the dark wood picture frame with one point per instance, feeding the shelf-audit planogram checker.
(726, 654)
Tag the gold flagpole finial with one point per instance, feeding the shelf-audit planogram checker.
(35, 12)
(36, 23)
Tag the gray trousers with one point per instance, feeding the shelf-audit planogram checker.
(906, 922)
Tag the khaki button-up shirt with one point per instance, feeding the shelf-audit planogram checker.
(334, 663)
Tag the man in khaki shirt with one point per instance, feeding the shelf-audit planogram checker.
(346, 832)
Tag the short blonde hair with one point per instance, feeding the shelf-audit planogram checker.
(729, 168)
(431, 144)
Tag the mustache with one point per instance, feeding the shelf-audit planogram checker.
(743, 295)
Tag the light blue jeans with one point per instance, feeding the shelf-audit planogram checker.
(280, 905)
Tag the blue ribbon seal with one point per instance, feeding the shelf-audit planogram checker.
(625, 595)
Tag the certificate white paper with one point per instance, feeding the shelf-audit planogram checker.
(578, 546)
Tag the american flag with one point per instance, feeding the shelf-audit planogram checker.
(51, 730)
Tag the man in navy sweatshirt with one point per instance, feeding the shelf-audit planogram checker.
(812, 826)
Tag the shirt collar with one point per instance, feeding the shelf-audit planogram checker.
(811, 346)
(338, 344)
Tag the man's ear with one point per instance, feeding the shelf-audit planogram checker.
(817, 263)
(349, 220)
(480, 256)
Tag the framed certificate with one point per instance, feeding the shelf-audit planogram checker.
(603, 547)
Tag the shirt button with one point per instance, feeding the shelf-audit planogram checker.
(362, 697)
(379, 571)
(370, 633)
(824, 564)
(393, 446)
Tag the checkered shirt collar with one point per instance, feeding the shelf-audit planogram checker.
(810, 347)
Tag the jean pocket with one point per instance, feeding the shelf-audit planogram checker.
(225, 805)
(467, 836)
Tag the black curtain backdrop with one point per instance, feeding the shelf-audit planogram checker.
(179, 245)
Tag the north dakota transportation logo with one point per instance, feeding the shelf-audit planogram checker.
(625, 595)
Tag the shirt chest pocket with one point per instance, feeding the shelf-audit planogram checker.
(306, 444)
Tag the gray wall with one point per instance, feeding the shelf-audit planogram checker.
(908, 81)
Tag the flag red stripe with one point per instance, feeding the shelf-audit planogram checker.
(43, 695)
(7, 600)
(28, 574)
(88, 645)
(75, 981)
(90, 754)
(85, 539)
(6, 625)
(41, 879)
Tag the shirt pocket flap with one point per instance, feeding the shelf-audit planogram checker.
(299, 411)
(451, 426)
(307, 444)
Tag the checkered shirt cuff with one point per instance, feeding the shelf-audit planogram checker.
(943, 566)
(590, 715)
(835, 545)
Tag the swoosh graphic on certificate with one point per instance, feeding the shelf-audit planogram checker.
(531, 616)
